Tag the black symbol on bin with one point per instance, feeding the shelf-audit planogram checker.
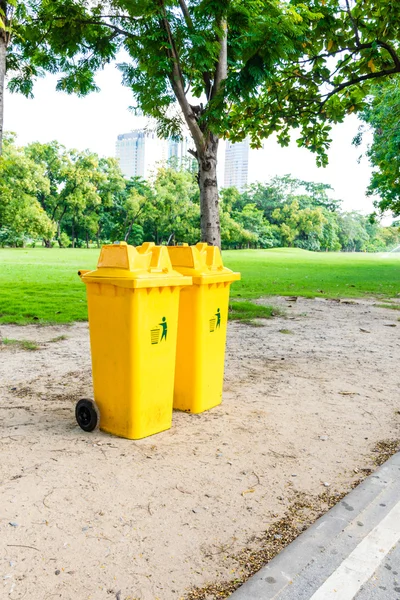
(215, 322)
(164, 329)
(155, 335)
(156, 332)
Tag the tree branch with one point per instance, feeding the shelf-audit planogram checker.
(347, 84)
(113, 27)
(120, 17)
(9, 23)
(221, 71)
(3, 14)
(392, 53)
(94, 22)
(186, 14)
(177, 83)
(356, 33)
(190, 26)
(354, 50)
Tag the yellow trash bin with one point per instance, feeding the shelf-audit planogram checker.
(133, 300)
(203, 316)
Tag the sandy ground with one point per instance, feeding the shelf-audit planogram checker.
(93, 516)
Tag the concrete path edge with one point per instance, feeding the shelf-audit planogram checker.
(280, 573)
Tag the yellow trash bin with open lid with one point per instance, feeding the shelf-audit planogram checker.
(133, 300)
(203, 317)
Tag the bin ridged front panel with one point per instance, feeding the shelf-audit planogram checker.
(133, 336)
(201, 347)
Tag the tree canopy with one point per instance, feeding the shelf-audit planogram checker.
(22, 182)
(221, 68)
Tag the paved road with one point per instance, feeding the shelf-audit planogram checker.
(352, 552)
(385, 582)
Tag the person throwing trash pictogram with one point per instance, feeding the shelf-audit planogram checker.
(164, 329)
(218, 315)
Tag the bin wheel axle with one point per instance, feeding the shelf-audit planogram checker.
(87, 414)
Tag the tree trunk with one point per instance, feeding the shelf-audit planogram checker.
(59, 233)
(73, 233)
(87, 240)
(3, 49)
(128, 233)
(209, 202)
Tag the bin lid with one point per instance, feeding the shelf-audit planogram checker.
(142, 266)
(202, 262)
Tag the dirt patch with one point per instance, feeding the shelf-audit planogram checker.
(93, 516)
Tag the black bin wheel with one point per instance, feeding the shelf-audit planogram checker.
(87, 414)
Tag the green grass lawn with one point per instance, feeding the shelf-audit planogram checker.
(289, 271)
(41, 285)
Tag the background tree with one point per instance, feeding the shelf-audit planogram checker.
(176, 208)
(21, 182)
(353, 235)
(234, 235)
(233, 68)
(54, 160)
(301, 225)
(252, 219)
(73, 198)
(128, 211)
(382, 116)
(111, 186)
(76, 182)
(329, 238)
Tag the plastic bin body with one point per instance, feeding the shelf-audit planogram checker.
(203, 317)
(133, 324)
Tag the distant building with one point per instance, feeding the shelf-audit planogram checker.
(178, 150)
(141, 152)
(237, 164)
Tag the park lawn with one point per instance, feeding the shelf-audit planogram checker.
(41, 285)
(291, 271)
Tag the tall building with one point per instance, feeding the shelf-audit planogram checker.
(178, 150)
(141, 152)
(236, 164)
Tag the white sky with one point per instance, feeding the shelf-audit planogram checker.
(95, 121)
